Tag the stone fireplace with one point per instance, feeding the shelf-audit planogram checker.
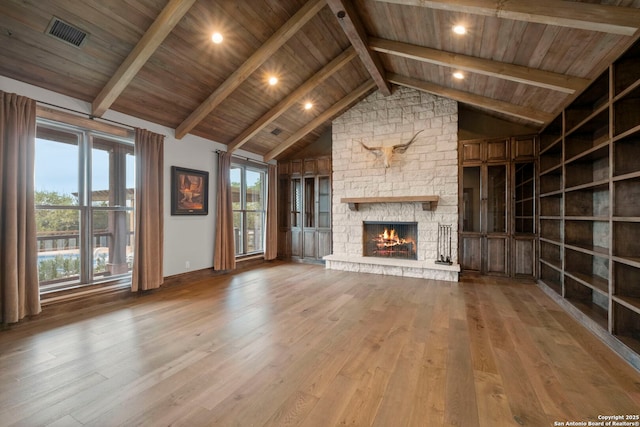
(419, 186)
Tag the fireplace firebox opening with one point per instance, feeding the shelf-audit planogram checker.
(390, 239)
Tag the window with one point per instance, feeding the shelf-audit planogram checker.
(84, 193)
(248, 184)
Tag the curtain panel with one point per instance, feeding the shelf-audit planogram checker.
(149, 212)
(19, 288)
(224, 255)
(271, 246)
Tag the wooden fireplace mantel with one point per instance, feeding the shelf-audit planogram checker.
(428, 202)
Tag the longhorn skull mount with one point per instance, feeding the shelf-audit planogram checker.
(387, 152)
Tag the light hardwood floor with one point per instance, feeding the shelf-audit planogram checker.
(293, 344)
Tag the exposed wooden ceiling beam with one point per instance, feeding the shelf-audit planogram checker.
(525, 113)
(280, 37)
(585, 16)
(157, 32)
(516, 73)
(353, 28)
(337, 108)
(319, 77)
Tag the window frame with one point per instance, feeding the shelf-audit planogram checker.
(245, 166)
(86, 209)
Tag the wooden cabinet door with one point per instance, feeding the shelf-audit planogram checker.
(523, 148)
(495, 223)
(304, 209)
(523, 250)
(471, 252)
(496, 259)
(484, 227)
(497, 150)
(309, 166)
(497, 206)
(472, 151)
(323, 238)
(296, 242)
(309, 244)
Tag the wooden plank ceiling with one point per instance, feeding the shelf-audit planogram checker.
(154, 59)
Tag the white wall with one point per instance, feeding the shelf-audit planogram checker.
(186, 238)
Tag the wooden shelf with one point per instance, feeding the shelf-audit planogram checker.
(553, 285)
(586, 218)
(589, 103)
(627, 321)
(551, 162)
(552, 241)
(624, 112)
(592, 311)
(551, 135)
(632, 303)
(428, 202)
(588, 249)
(590, 122)
(633, 86)
(600, 151)
(633, 342)
(552, 263)
(633, 262)
(632, 131)
(626, 176)
(600, 184)
(625, 219)
(552, 193)
(589, 206)
(594, 282)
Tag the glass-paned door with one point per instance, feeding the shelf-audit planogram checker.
(484, 218)
(324, 202)
(496, 199)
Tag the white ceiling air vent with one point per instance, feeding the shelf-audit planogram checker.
(67, 33)
(276, 131)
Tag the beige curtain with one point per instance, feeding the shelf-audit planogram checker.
(271, 240)
(19, 289)
(149, 232)
(224, 256)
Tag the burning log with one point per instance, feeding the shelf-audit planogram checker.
(389, 243)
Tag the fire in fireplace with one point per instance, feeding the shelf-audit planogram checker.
(390, 239)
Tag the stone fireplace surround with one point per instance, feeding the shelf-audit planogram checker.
(428, 169)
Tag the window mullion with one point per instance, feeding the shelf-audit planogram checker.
(243, 196)
(87, 215)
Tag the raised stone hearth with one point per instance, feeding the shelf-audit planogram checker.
(393, 267)
(364, 190)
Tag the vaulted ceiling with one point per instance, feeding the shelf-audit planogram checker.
(154, 59)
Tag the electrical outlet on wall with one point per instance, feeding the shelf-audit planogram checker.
(187, 264)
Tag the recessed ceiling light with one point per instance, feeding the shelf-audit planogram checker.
(458, 75)
(273, 80)
(216, 38)
(460, 29)
(308, 106)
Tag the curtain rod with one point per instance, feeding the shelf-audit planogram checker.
(243, 158)
(90, 116)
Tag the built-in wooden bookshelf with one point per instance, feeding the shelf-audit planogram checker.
(589, 207)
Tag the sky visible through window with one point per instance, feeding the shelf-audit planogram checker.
(56, 168)
(252, 177)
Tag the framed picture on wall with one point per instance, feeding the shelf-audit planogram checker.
(189, 191)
